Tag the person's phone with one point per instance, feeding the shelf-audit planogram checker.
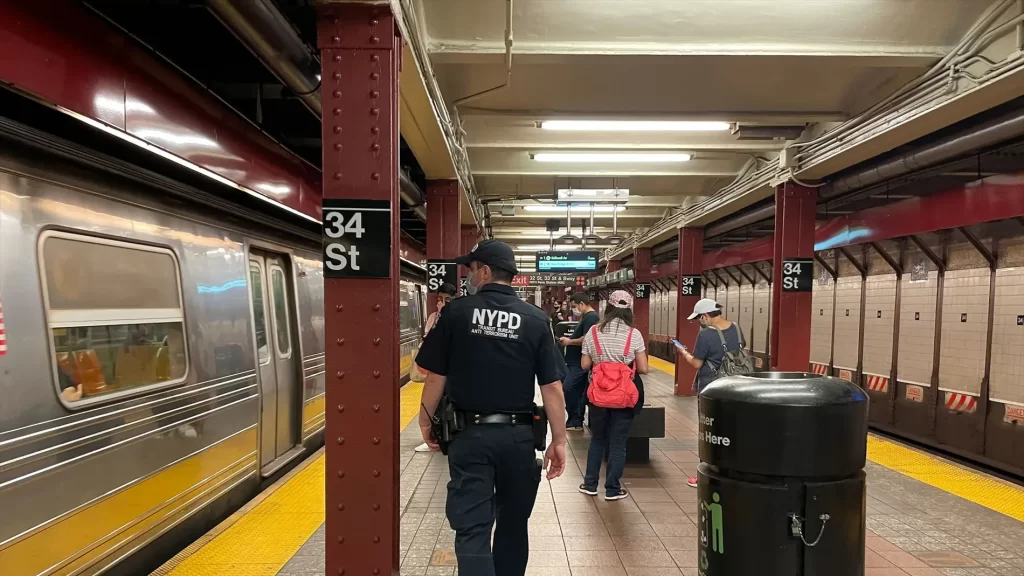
(678, 345)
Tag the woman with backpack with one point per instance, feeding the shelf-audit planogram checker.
(615, 352)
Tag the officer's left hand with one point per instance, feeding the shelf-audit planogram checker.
(428, 437)
(564, 341)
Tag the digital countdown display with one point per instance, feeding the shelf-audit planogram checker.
(576, 261)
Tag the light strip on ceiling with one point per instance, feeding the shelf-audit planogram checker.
(546, 248)
(613, 157)
(634, 126)
(558, 208)
(594, 194)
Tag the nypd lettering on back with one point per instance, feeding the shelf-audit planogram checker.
(496, 324)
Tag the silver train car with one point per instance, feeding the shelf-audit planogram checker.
(164, 362)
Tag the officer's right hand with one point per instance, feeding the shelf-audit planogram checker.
(428, 436)
(554, 460)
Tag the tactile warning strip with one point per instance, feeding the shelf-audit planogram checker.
(261, 537)
(978, 488)
(658, 363)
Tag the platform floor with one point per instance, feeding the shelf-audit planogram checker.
(926, 516)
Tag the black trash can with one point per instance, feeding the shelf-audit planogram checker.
(781, 482)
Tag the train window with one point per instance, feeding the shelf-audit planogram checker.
(115, 316)
(259, 314)
(406, 314)
(281, 324)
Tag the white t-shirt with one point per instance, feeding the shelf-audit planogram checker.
(613, 343)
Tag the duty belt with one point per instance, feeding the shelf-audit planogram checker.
(522, 419)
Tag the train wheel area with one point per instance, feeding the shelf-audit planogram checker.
(926, 516)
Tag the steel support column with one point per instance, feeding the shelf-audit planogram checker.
(642, 308)
(691, 263)
(791, 311)
(360, 54)
(444, 225)
(470, 236)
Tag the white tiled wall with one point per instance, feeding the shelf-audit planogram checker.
(722, 297)
(652, 317)
(746, 320)
(670, 314)
(1007, 371)
(762, 305)
(917, 329)
(821, 317)
(732, 312)
(847, 319)
(962, 357)
(879, 316)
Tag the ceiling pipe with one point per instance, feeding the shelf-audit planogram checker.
(261, 27)
(412, 195)
(970, 139)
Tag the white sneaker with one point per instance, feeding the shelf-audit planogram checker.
(423, 448)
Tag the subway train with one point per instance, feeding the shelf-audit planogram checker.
(930, 326)
(163, 363)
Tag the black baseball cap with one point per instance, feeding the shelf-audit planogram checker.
(492, 253)
(580, 298)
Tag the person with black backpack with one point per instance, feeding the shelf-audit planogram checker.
(719, 350)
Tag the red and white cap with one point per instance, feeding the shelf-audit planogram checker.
(620, 299)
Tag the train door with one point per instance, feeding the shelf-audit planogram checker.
(280, 394)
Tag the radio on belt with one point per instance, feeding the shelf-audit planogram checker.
(357, 238)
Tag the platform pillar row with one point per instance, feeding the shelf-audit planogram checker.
(691, 263)
(444, 225)
(795, 209)
(642, 306)
(360, 54)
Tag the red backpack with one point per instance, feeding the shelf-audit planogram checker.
(611, 383)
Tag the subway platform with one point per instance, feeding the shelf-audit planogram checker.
(926, 515)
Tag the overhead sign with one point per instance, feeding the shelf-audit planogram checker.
(538, 279)
(691, 285)
(642, 291)
(579, 261)
(440, 272)
(797, 274)
(357, 238)
(464, 286)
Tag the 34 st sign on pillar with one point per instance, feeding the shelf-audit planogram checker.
(360, 54)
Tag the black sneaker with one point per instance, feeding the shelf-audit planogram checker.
(618, 495)
(588, 491)
(574, 427)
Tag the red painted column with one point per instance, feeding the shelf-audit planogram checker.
(795, 208)
(613, 266)
(444, 225)
(691, 254)
(361, 52)
(642, 308)
(470, 236)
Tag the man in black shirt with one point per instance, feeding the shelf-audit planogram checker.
(488, 351)
(577, 378)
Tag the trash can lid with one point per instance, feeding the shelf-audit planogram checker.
(785, 389)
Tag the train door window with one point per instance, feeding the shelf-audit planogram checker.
(115, 316)
(280, 302)
(256, 285)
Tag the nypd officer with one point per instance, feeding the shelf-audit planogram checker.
(487, 351)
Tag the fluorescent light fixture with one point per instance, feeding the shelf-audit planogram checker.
(546, 248)
(612, 157)
(594, 194)
(560, 207)
(634, 126)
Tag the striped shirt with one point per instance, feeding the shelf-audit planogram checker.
(613, 343)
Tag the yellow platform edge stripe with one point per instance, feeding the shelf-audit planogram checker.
(981, 489)
(259, 539)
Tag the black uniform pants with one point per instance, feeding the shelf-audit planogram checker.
(494, 480)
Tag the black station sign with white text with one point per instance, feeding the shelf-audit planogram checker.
(691, 285)
(797, 274)
(642, 291)
(357, 238)
(440, 272)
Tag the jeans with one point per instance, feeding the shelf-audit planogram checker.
(494, 479)
(575, 390)
(609, 429)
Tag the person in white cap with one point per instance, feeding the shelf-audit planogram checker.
(708, 353)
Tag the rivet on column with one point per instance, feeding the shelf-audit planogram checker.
(341, 341)
(339, 375)
(337, 129)
(376, 373)
(376, 407)
(376, 506)
(337, 111)
(376, 473)
(337, 58)
(376, 307)
(336, 93)
(341, 507)
(374, 58)
(341, 408)
(341, 440)
(374, 111)
(376, 341)
(375, 176)
(339, 307)
(341, 473)
(376, 539)
(376, 440)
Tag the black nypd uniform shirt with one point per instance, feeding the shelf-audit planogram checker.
(491, 346)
